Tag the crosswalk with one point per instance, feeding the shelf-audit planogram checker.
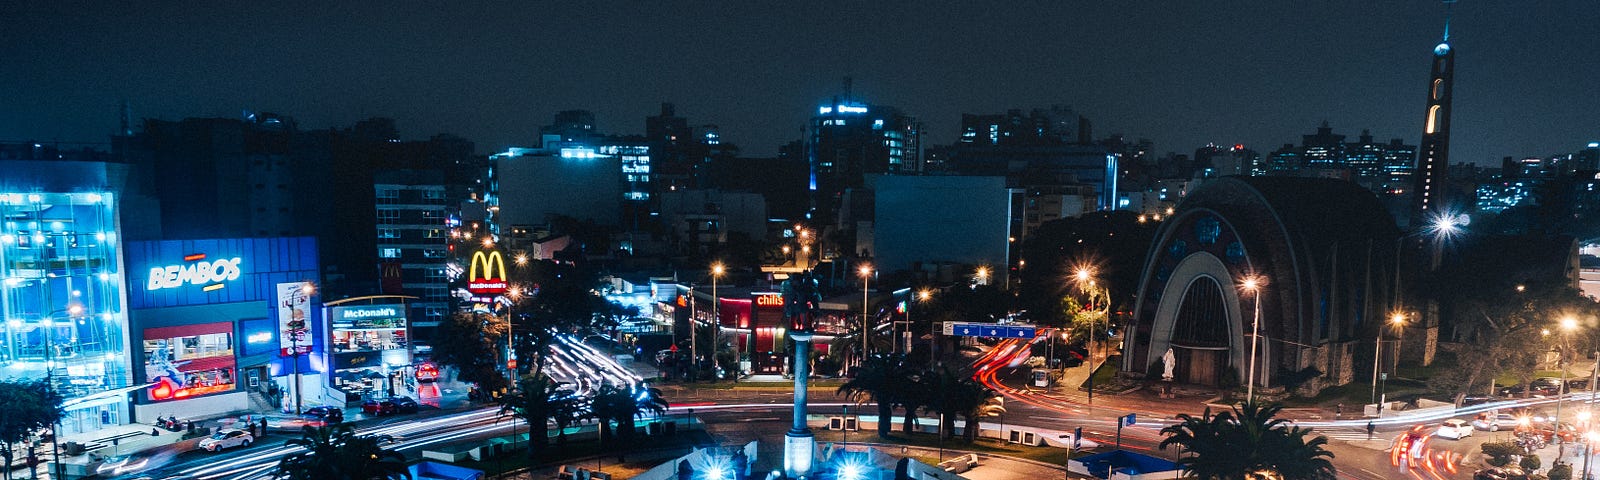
(1348, 434)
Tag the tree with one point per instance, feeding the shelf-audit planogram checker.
(335, 452)
(536, 400)
(622, 405)
(959, 395)
(566, 299)
(874, 382)
(473, 343)
(30, 406)
(1248, 442)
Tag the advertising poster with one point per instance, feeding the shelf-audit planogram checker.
(294, 318)
(189, 361)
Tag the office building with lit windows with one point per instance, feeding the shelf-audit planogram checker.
(848, 140)
(413, 250)
(61, 286)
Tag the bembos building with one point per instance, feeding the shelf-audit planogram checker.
(217, 324)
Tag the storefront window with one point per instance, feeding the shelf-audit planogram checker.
(189, 361)
(61, 293)
(369, 343)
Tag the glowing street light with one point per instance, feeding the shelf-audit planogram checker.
(866, 274)
(717, 270)
(1568, 325)
(1252, 284)
(983, 275)
(1397, 320)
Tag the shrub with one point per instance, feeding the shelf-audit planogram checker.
(1531, 462)
(1499, 453)
(1559, 471)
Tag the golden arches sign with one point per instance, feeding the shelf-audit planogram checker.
(493, 279)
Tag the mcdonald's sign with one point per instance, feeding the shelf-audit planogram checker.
(491, 279)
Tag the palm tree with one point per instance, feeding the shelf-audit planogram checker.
(622, 405)
(1248, 442)
(875, 383)
(335, 452)
(958, 395)
(535, 400)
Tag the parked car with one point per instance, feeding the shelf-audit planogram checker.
(226, 439)
(1502, 473)
(1454, 429)
(1548, 432)
(405, 405)
(1493, 421)
(325, 414)
(389, 406)
(1543, 386)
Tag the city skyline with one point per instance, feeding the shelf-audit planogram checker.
(1180, 75)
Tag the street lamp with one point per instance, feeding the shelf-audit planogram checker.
(515, 295)
(716, 314)
(1084, 277)
(983, 275)
(866, 274)
(1568, 325)
(1252, 284)
(1398, 321)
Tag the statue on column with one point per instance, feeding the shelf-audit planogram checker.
(802, 298)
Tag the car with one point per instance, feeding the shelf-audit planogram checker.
(324, 414)
(405, 405)
(1501, 473)
(427, 372)
(132, 463)
(1493, 421)
(389, 406)
(1453, 429)
(226, 439)
(1548, 432)
(1542, 386)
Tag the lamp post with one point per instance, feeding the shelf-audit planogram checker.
(716, 315)
(1253, 285)
(1084, 276)
(866, 275)
(1398, 321)
(308, 289)
(515, 295)
(1568, 325)
(1588, 452)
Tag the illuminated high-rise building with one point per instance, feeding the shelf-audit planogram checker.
(848, 140)
(1433, 155)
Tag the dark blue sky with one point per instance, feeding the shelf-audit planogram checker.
(1181, 73)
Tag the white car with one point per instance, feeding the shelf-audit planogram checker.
(226, 439)
(1454, 429)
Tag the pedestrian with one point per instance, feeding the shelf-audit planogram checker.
(1338, 411)
(1370, 429)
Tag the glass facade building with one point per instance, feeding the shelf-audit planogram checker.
(61, 295)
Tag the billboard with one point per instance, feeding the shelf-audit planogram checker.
(487, 274)
(177, 273)
(258, 336)
(294, 318)
(189, 360)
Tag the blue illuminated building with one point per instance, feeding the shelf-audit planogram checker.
(210, 323)
(61, 285)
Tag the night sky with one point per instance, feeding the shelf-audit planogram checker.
(1179, 73)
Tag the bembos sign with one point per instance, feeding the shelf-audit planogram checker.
(197, 273)
(491, 280)
(769, 300)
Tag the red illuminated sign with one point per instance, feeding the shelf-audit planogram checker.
(770, 300)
